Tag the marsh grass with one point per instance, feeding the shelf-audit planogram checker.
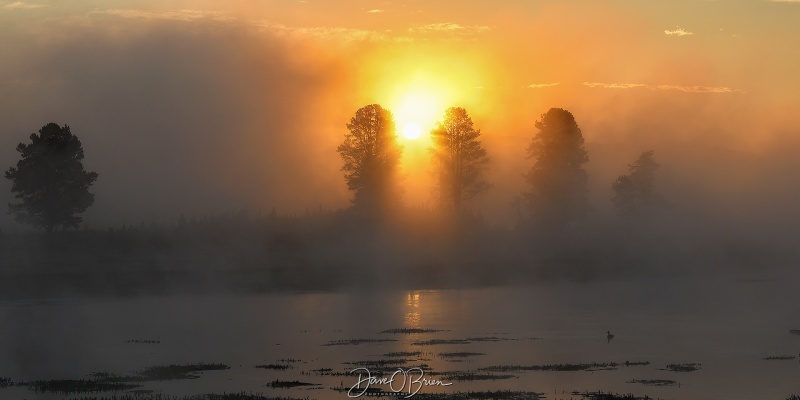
(779, 358)
(460, 354)
(483, 395)
(436, 342)
(71, 386)
(608, 396)
(289, 384)
(380, 364)
(355, 342)
(210, 396)
(654, 382)
(173, 371)
(690, 367)
(408, 331)
(473, 376)
(274, 366)
(559, 367)
(404, 354)
(489, 339)
(322, 371)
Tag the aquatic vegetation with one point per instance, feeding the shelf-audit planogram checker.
(608, 396)
(403, 354)
(237, 396)
(555, 367)
(683, 367)
(345, 342)
(5, 382)
(495, 395)
(274, 366)
(488, 339)
(411, 330)
(460, 354)
(322, 371)
(434, 342)
(654, 382)
(209, 396)
(143, 341)
(636, 363)
(473, 376)
(378, 363)
(68, 386)
(779, 358)
(289, 384)
(173, 371)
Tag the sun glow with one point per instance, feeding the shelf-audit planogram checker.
(412, 131)
(417, 112)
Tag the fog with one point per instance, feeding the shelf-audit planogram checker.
(189, 119)
(212, 125)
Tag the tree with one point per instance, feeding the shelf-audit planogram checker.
(49, 181)
(557, 194)
(460, 159)
(636, 190)
(371, 156)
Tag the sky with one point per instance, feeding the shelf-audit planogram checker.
(201, 107)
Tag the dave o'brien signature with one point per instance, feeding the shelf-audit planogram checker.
(412, 380)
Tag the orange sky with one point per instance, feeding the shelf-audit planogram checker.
(282, 77)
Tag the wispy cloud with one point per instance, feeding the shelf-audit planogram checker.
(332, 33)
(700, 89)
(615, 85)
(678, 32)
(449, 27)
(375, 11)
(18, 5)
(180, 15)
(685, 89)
(540, 85)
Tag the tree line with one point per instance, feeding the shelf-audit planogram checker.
(556, 183)
(51, 185)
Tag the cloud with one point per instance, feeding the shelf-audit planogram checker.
(678, 32)
(449, 27)
(540, 85)
(18, 5)
(375, 11)
(332, 33)
(685, 89)
(180, 15)
(615, 85)
(700, 89)
(346, 34)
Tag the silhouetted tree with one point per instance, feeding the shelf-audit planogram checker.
(636, 190)
(371, 155)
(49, 181)
(557, 193)
(460, 159)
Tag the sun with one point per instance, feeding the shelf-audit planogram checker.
(416, 112)
(412, 131)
